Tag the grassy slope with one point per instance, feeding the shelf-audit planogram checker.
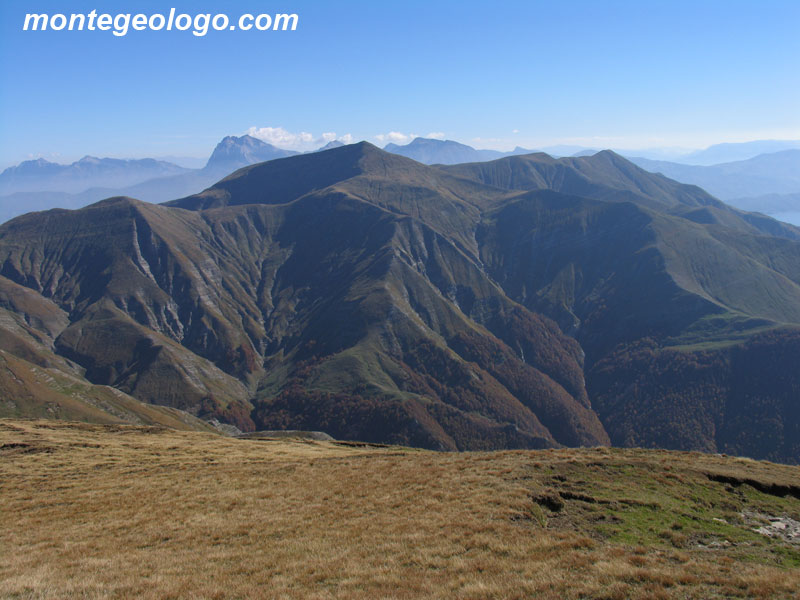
(31, 391)
(123, 512)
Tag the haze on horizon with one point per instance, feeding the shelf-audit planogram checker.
(613, 74)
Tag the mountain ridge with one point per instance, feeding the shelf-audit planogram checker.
(478, 306)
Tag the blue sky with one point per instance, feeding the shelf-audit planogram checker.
(491, 74)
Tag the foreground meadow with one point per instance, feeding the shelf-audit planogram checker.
(133, 512)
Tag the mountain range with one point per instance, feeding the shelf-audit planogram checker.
(775, 173)
(767, 183)
(39, 185)
(525, 302)
(448, 152)
(445, 152)
(434, 151)
(44, 176)
(733, 152)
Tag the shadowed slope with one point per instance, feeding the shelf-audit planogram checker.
(329, 292)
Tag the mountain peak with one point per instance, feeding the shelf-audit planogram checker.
(32, 164)
(331, 145)
(288, 179)
(446, 152)
(235, 152)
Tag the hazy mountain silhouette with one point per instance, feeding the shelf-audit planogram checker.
(47, 185)
(734, 152)
(776, 173)
(43, 176)
(444, 152)
(235, 152)
(330, 146)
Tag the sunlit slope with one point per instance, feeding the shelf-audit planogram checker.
(168, 513)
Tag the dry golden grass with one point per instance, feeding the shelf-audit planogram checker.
(129, 512)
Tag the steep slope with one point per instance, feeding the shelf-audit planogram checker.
(609, 177)
(372, 297)
(604, 175)
(36, 382)
(400, 185)
(331, 293)
(31, 392)
(235, 152)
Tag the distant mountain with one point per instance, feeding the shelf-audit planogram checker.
(443, 152)
(567, 150)
(769, 203)
(43, 176)
(330, 146)
(230, 154)
(588, 152)
(188, 162)
(784, 207)
(235, 152)
(431, 151)
(776, 173)
(523, 302)
(732, 152)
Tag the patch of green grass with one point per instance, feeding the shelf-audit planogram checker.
(719, 331)
(632, 503)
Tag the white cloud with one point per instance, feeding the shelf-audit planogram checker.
(396, 137)
(301, 141)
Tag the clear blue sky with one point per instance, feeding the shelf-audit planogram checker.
(491, 74)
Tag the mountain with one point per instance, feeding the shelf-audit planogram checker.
(330, 146)
(189, 162)
(151, 186)
(566, 150)
(784, 207)
(734, 152)
(444, 152)
(43, 176)
(526, 302)
(776, 173)
(235, 152)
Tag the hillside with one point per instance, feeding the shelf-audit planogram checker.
(153, 513)
(519, 303)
